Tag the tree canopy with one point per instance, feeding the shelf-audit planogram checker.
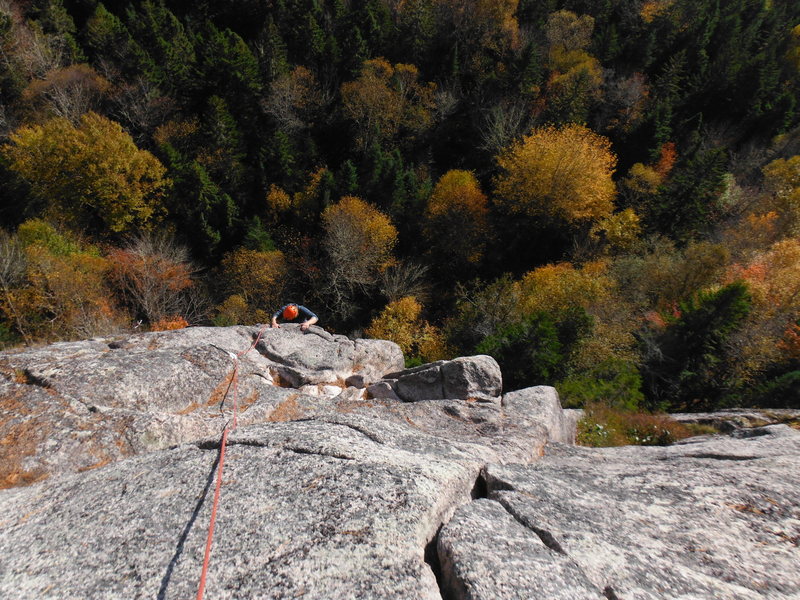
(570, 186)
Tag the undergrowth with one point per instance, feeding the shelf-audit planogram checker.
(607, 426)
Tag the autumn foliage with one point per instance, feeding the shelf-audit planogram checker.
(560, 173)
(400, 321)
(457, 217)
(88, 175)
(604, 195)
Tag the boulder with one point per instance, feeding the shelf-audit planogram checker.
(714, 517)
(476, 377)
(316, 357)
(542, 404)
(419, 383)
(469, 377)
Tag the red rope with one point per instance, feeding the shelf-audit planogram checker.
(229, 426)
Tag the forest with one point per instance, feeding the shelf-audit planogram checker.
(604, 195)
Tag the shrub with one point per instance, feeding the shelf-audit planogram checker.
(169, 324)
(614, 382)
(603, 425)
(537, 350)
(781, 392)
(54, 287)
(401, 323)
(233, 311)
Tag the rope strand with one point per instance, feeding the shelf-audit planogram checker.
(229, 426)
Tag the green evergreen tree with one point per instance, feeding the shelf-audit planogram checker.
(271, 52)
(537, 350)
(198, 207)
(347, 180)
(169, 45)
(107, 38)
(54, 19)
(685, 365)
(687, 206)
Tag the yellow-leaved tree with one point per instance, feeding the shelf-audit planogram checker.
(303, 204)
(562, 173)
(456, 219)
(91, 176)
(255, 282)
(619, 232)
(782, 180)
(576, 77)
(400, 323)
(562, 288)
(60, 289)
(358, 241)
(386, 97)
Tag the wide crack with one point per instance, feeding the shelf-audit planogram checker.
(214, 445)
(432, 560)
(431, 553)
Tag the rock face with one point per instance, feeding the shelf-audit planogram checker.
(708, 518)
(332, 491)
(79, 405)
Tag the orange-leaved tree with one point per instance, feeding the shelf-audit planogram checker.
(153, 277)
(562, 173)
(91, 176)
(773, 276)
(68, 92)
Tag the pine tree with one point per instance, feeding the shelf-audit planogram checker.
(685, 365)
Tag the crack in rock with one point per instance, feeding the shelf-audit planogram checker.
(363, 431)
(317, 453)
(31, 379)
(480, 489)
(547, 538)
(214, 445)
(432, 560)
(609, 593)
(711, 456)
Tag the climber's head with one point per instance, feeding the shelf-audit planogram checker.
(290, 312)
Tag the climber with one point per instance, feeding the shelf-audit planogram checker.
(295, 313)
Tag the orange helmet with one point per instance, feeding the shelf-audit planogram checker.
(290, 312)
